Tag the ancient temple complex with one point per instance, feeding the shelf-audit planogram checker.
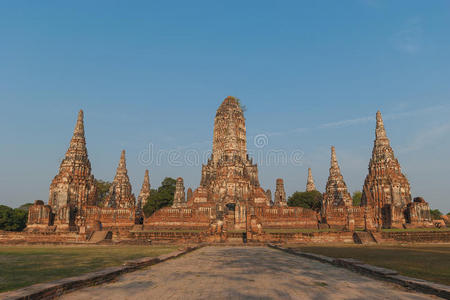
(229, 197)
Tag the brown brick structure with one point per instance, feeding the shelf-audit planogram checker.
(72, 204)
(386, 190)
(310, 185)
(230, 196)
(229, 199)
(143, 195)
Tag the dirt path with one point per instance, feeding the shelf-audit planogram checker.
(244, 273)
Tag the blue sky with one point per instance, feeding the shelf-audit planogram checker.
(311, 73)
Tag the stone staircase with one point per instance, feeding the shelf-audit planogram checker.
(100, 236)
(364, 238)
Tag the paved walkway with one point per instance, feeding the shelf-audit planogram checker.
(244, 273)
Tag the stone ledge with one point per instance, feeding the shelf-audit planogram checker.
(392, 276)
(54, 289)
(440, 290)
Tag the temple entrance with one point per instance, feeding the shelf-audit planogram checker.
(386, 216)
(230, 215)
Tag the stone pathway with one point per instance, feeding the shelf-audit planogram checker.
(244, 273)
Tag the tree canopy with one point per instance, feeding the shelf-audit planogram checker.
(357, 195)
(12, 219)
(102, 190)
(436, 214)
(311, 200)
(161, 197)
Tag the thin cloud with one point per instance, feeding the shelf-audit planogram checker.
(391, 116)
(427, 138)
(345, 123)
(409, 38)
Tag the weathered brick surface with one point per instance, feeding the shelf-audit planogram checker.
(418, 237)
(387, 190)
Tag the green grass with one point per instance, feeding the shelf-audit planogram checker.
(429, 262)
(22, 266)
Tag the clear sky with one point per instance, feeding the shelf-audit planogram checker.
(311, 73)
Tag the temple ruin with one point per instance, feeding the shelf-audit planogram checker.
(229, 197)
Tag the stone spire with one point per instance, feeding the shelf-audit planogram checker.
(77, 152)
(229, 131)
(336, 194)
(73, 187)
(385, 183)
(144, 194)
(190, 194)
(120, 195)
(280, 194)
(310, 186)
(179, 197)
(269, 197)
(230, 176)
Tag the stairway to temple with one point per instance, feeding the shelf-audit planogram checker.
(99, 236)
(364, 238)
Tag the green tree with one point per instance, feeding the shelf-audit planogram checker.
(357, 198)
(25, 206)
(436, 214)
(102, 190)
(311, 200)
(12, 219)
(161, 197)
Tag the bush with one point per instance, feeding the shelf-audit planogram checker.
(311, 200)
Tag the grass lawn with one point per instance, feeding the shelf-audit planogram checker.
(429, 262)
(22, 266)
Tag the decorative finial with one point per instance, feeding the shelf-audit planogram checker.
(79, 127)
(380, 132)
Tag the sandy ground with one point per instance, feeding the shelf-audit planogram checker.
(244, 273)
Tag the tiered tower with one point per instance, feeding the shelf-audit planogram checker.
(179, 198)
(269, 197)
(189, 195)
(120, 195)
(74, 186)
(310, 186)
(280, 194)
(336, 194)
(144, 194)
(230, 176)
(385, 183)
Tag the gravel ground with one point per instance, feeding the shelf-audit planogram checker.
(244, 273)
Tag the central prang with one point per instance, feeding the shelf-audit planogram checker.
(230, 176)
